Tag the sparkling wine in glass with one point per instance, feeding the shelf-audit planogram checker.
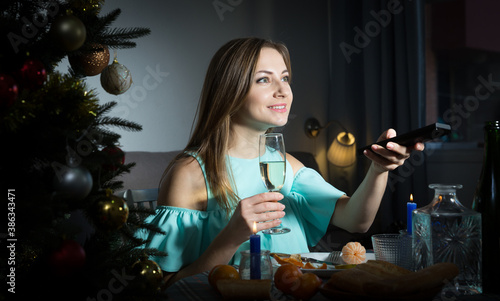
(272, 162)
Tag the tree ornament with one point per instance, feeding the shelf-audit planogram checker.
(116, 156)
(32, 74)
(91, 63)
(68, 32)
(72, 182)
(111, 212)
(148, 275)
(8, 91)
(67, 259)
(116, 78)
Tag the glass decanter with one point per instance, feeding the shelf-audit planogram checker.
(446, 231)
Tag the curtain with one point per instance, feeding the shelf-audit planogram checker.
(377, 75)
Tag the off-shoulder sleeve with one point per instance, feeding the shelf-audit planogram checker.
(313, 202)
(188, 234)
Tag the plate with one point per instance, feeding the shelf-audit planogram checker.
(322, 273)
(323, 256)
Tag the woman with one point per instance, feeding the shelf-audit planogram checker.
(212, 193)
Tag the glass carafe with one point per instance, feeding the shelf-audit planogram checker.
(446, 231)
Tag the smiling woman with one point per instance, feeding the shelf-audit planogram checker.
(211, 194)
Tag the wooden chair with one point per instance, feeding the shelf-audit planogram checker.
(141, 197)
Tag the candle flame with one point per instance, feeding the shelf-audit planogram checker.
(411, 197)
(254, 227)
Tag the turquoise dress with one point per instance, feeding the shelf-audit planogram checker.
(309, 204)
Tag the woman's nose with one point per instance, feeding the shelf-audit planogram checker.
(282, 90)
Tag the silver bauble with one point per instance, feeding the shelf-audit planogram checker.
(72, 183)
(116, 78)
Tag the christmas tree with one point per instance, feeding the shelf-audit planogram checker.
(61, 157)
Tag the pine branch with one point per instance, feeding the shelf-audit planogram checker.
(106, 137)
(119, 44)
(105, 108)
(99, 31)
(137, 252)
(127, 33)
(119, 122)
(113, 185)
(106, 20)
(119, 37)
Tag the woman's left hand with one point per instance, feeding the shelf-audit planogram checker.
(393, 155)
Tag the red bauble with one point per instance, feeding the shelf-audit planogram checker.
(116, 157)
(33, 74)
(68, 258)
(8, 91)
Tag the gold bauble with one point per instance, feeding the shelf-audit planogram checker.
(91, 62)
(148, 275)
(111, 212)
(68, 32)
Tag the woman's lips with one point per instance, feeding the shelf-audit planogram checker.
(280, 108)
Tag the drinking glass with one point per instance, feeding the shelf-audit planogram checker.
(265, 264)
(272, 164)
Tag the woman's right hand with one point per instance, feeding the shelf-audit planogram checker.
(262, 208)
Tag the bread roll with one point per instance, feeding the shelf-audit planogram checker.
(431, 277)
(383, 268)
(352, 280)
(383, 279)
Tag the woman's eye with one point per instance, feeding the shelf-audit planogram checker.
(285, 79)
(263, 80)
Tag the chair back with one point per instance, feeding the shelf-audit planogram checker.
(141, 197)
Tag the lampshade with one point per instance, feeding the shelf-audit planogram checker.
(342, 152)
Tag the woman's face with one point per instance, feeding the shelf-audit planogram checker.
(270, 97)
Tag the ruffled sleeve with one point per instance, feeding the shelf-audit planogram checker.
(314, 201)
(188, 234)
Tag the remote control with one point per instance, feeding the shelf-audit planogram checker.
(424, 134)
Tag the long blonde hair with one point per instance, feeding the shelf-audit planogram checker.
(227, 82)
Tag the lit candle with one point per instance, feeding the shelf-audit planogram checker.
(410, 206)
(254, 254)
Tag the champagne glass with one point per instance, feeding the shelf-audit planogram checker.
(272, 162)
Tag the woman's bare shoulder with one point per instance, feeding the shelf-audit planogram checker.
(184, 185)
(296, 164)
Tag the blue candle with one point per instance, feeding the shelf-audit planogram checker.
(254, 254)
(410, 206)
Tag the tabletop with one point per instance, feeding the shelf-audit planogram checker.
(197, 288)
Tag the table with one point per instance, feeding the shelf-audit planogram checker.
(197, 288)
